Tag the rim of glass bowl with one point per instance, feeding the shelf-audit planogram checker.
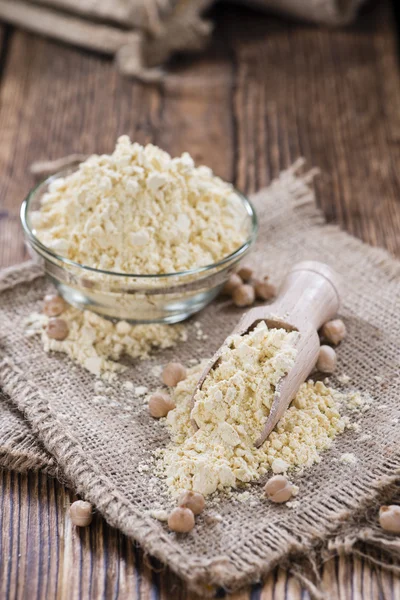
(47, 251)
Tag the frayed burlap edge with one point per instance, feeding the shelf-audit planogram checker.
(24, 461)
(360, 534)
(298, 550)
(20, 450)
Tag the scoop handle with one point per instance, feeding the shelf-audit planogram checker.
(309, 295)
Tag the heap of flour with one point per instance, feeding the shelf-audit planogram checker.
(230, 410)
(140, 211)
(98, 344)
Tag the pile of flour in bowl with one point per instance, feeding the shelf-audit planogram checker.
(140, 211)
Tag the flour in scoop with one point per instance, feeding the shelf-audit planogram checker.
(230, 410)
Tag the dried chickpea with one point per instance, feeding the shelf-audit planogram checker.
(81, 513)
(278, 489)
(245, 273)
(160, 405)
(389, 518)
(233, 282)
(53, 305)
(181, 519)
(173, 373)
(243, 295)
(327, 359)
(57, 329)
(264, 289)
(193, 500)
(334, 331)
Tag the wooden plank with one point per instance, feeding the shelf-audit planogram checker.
(44, 556)
(333, 97)
(265, 93)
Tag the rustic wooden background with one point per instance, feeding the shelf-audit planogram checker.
(265, 93)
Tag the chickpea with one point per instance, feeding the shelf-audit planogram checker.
(264, 289)
(327, 359)
(245, 273)
(334, 331)
(389, 518)
(81, 513)
(57, 329)
(192, 500)
(243, 295)
(160, 405)
(53, 305)
(173, 373)
(181, 519)
(278, 489)
(233, 282)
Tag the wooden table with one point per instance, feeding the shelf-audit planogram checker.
(266, 92)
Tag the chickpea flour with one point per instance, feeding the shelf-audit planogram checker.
(98, 344)
(140, 211)
(230, 409)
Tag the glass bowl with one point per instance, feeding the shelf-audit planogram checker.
(166, 298)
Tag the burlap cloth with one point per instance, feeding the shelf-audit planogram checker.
(144, 34)
(100, 447)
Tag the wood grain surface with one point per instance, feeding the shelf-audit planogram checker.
(266, 92)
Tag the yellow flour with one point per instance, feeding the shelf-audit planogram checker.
(230, 410)
(140, 211)
(97, 344)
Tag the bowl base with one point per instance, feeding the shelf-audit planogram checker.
(134, 308)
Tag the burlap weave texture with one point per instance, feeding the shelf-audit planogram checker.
(99, 446)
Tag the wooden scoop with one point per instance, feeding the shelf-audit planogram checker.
(308, 298)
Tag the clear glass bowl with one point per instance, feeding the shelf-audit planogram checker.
(166, 298)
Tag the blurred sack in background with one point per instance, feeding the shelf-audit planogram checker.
(144, 34)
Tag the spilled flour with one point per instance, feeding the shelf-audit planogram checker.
(230, 411)
(98, 344)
